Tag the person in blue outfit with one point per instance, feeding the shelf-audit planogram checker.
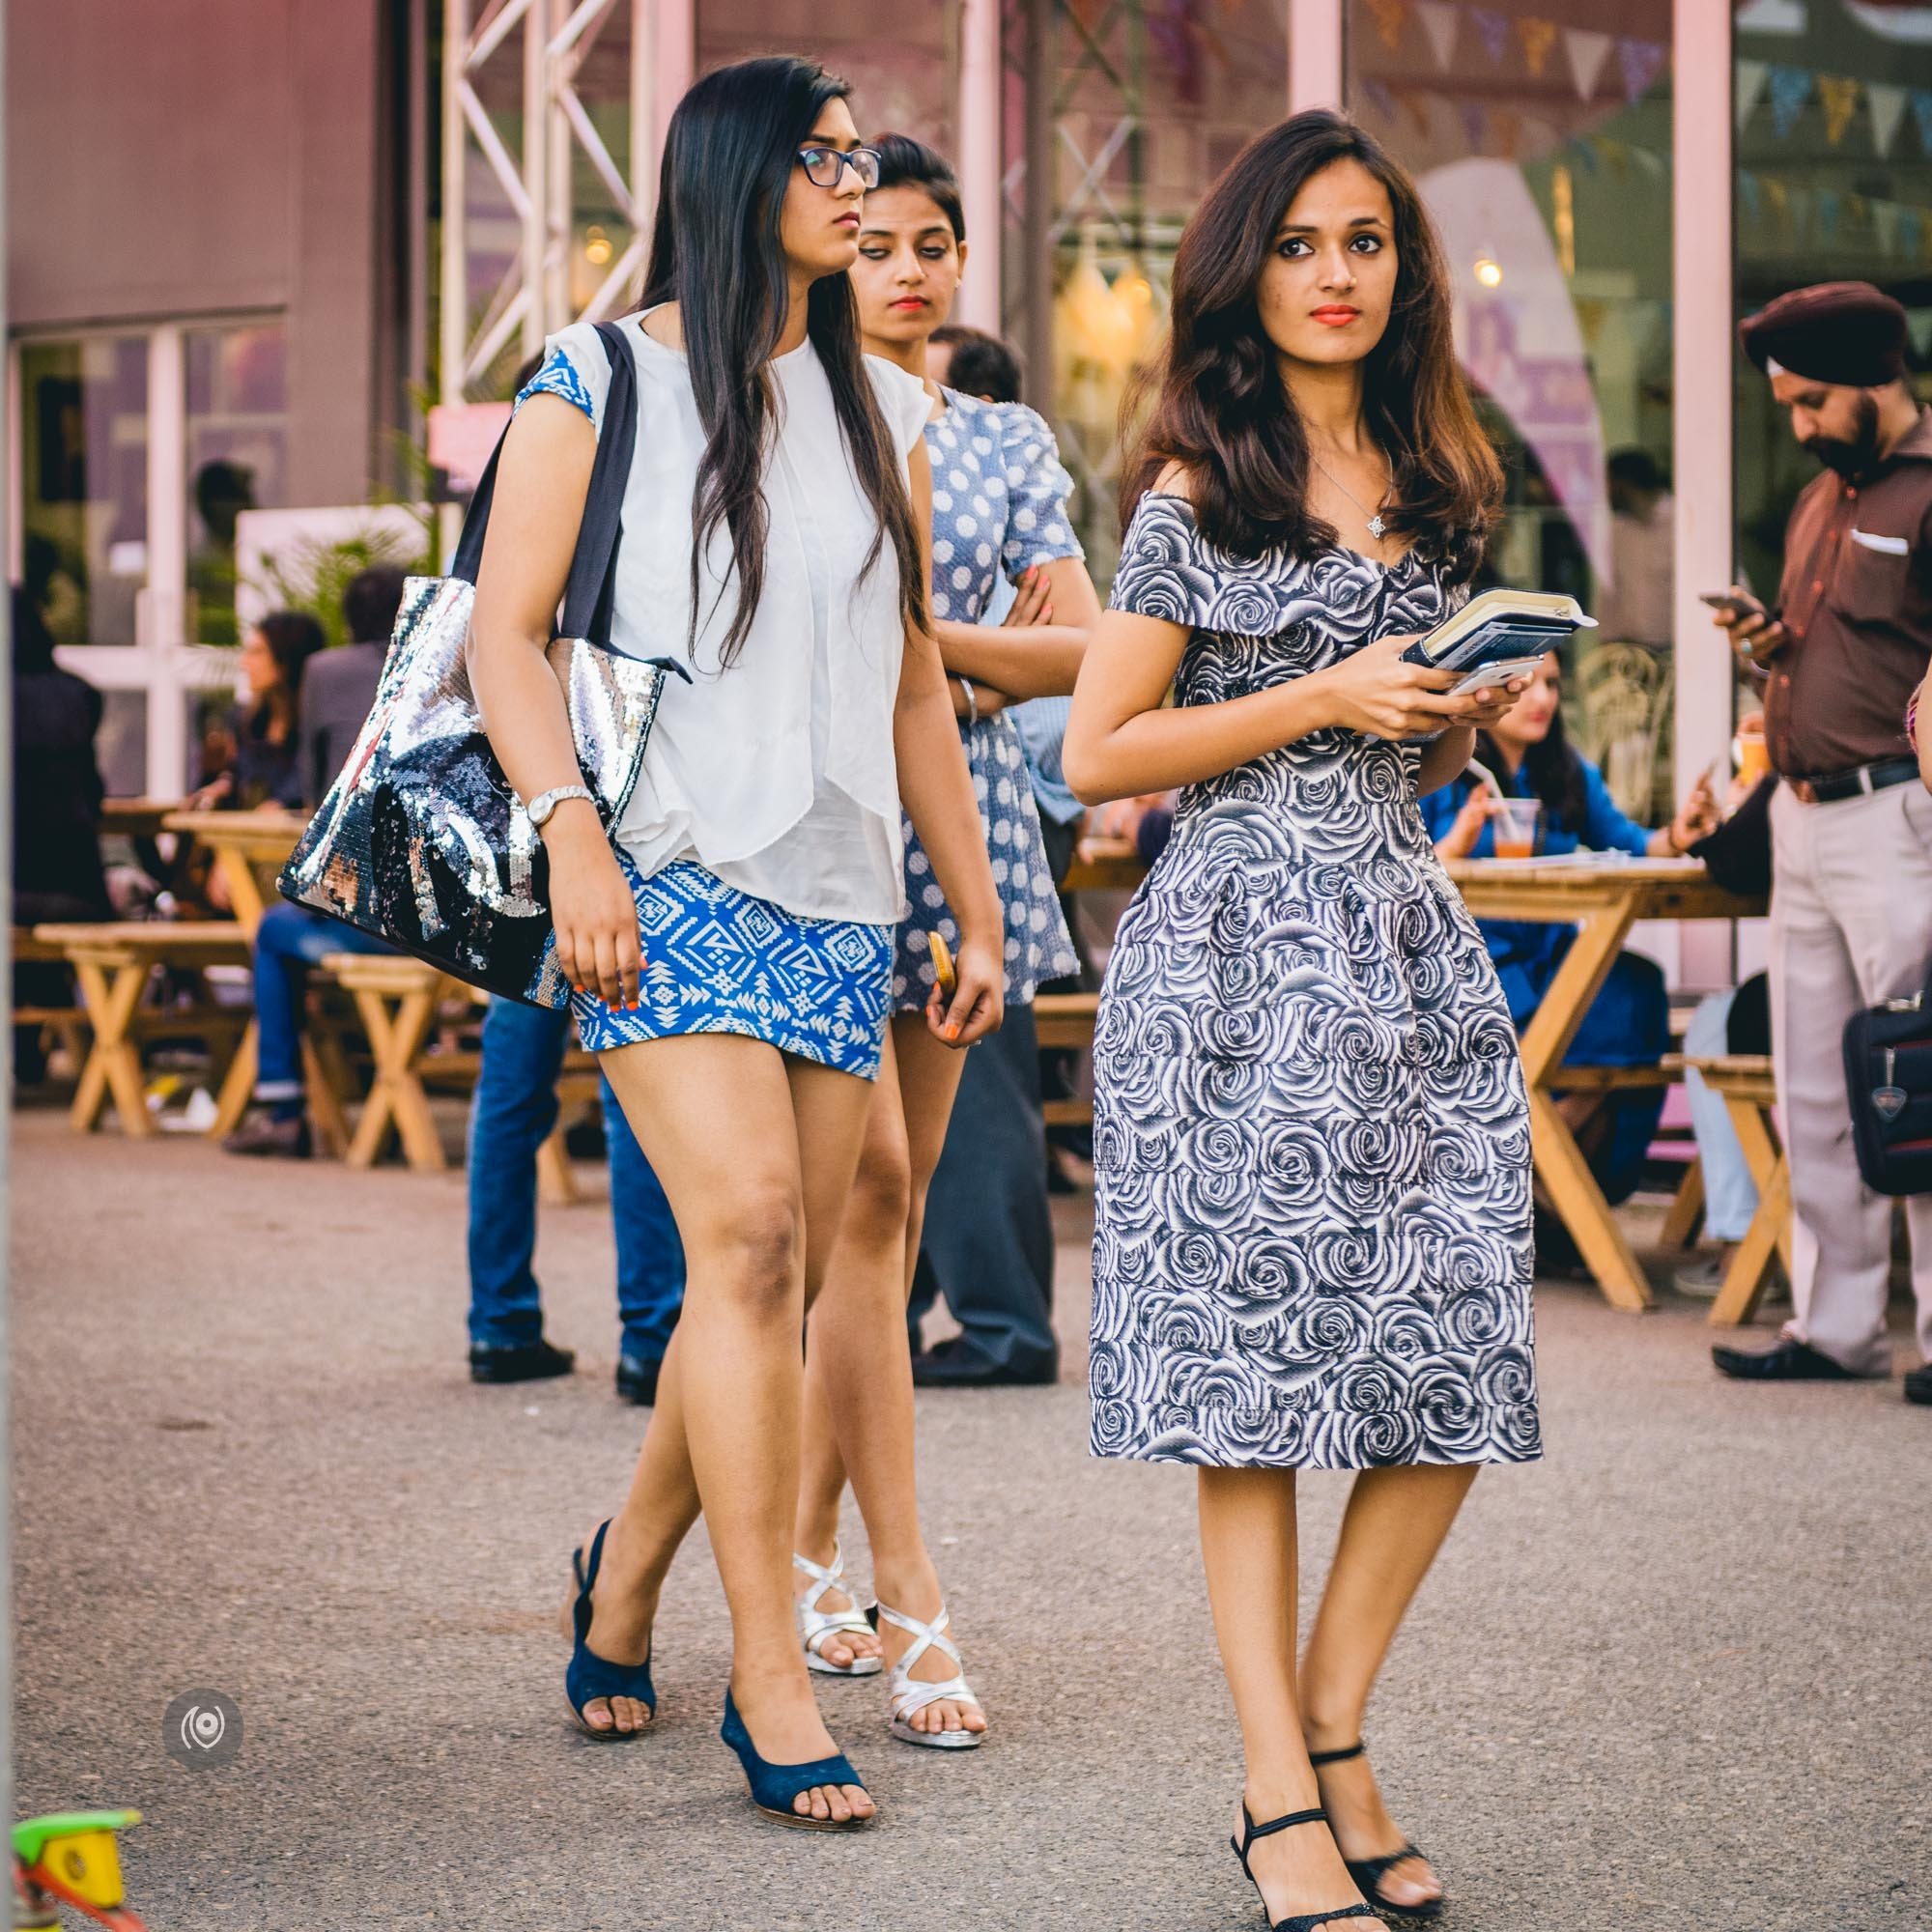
(512, 1115)
(1628, 1022)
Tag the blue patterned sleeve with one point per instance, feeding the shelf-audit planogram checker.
(575, 371)
(1039, 524)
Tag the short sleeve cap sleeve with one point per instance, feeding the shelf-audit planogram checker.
(575, 369)
(902, 402)
(1038, 526)
(1163, 570)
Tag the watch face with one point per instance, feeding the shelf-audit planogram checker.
(540, 811)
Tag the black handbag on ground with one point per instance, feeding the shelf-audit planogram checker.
(422, 840)
(1888, 1081)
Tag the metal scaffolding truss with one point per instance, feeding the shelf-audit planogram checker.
(550, 38)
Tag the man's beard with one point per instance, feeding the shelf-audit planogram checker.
(1851, 459)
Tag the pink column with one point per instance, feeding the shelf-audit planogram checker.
(979, 304)
(676, 62)
(1314, 54)
(1701, 378)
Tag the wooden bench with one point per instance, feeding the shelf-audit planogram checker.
(66, 1023)
(1067, 1020)
(1745, 1083)
(115, 964)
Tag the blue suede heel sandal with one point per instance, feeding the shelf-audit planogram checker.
(774, 1786)
(1300, 1921)
(590, 1676)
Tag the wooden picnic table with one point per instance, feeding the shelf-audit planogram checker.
(1603, 899)
(249, 847)
(136, 817)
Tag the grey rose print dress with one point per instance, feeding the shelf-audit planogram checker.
(1312, 1206)
(999, 504)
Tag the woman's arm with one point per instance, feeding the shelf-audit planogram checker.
(1121, 741)
(1031, 659)
(1447, 759)
(542, 481)
(937, 791)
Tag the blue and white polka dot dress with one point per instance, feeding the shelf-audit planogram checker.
(998, 504)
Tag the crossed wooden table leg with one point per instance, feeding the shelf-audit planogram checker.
(396, 999)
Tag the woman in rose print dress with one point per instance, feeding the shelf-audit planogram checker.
(1310, 1242)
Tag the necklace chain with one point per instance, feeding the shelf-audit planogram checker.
(1373, 519)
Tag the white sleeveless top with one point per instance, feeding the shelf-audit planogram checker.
(777, 774)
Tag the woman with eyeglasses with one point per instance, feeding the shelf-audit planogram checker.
(733, 955)
(1000, 512)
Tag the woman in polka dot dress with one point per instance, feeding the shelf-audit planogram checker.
(999, 510)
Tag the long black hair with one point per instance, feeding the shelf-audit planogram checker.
(1555, 771)
(717, 252)
(1222, 412)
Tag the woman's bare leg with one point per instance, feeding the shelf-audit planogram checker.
(1249, 1549)
(1395, 1524)
(860, 1368)
(722, 1121)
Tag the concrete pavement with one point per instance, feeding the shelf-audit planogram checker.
(1673, 1676)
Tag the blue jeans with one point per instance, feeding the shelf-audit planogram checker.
(288, 942)
(510, 1118)
(1730, 1195)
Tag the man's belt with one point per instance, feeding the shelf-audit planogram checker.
(1831, 786)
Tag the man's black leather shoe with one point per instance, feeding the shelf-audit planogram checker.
(637, 1382)
(956, 1364)
(532, 1362)
(1919, 1385)
(1789, 1362)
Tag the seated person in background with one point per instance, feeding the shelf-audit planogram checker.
(267, 723)
(336, 691)
(57, 794)
(1628, 1024)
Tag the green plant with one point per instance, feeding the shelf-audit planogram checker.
(311, 573)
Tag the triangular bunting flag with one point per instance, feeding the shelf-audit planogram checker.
(1752, 191)
(1798, 203)
(1790, 90)
(1538, 37)
(1651, 162)
(1921, 112)
(1750, 90)
(1389, 16)
(1377, 95)
(1586, 156)
(1888, 109)
(1884, 225)
(1829, 206)
(1440, 20)
(1617, 154)
(1778, 195)
(1495, 29)
(1586, 53)
(1641, 61)
(1839, 94)
(1475, 125)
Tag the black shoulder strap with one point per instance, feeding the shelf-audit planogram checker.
(590, 589)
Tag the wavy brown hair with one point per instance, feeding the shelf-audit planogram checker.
(1222, 412)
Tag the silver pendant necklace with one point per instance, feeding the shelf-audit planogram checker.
(1375, 524)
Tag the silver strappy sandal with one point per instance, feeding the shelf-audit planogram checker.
(910, 1695)
(815, 1626)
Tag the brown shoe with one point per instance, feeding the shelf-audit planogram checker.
(273, 1139)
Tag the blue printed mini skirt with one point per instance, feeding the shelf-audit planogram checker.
(716, 960)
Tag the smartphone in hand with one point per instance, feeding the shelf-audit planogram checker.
(1735, 608)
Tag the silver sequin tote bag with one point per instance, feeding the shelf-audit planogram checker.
(422, 840)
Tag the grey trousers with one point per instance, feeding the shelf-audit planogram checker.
(1851, 925)
(988, 1245)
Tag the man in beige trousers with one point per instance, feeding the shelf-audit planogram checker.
(1850, 913)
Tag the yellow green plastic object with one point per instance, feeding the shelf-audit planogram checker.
(32, 1834)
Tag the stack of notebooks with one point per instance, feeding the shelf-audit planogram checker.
(1499, 636)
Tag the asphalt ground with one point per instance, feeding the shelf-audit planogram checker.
(1675, 1675)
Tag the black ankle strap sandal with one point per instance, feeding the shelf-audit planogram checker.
(1369, 1873)
(1305, 1922)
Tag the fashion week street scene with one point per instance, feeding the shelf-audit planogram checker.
(871, 868)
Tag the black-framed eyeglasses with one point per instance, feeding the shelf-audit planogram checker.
(825, 167)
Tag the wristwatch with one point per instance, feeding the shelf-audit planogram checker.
(545, 802)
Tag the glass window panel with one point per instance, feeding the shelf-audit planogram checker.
(1542, 147)
(236, 456)
(1140, 104)
(121, 745)
(84, 483)
(898, 58)
(1834, 183)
